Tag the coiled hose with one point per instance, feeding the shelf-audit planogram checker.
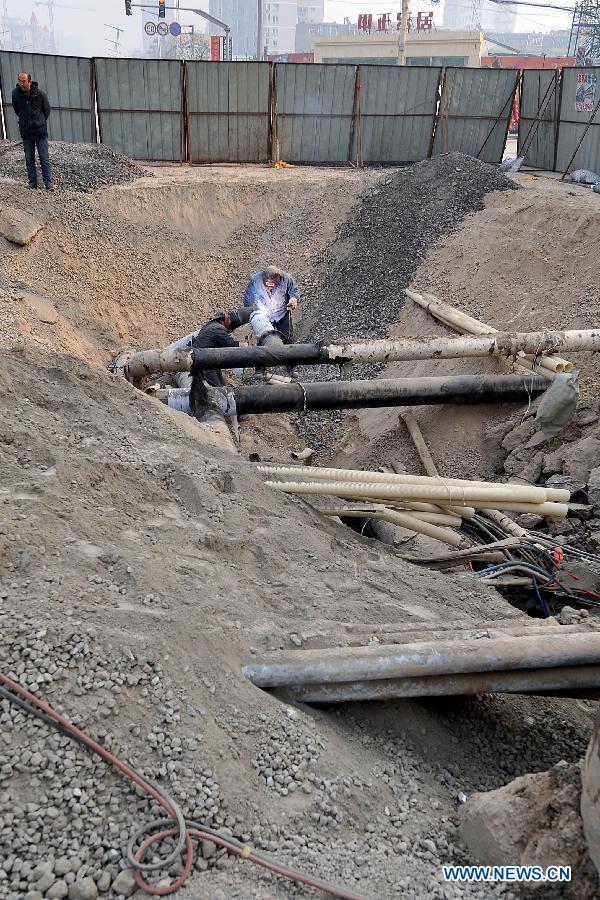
(173, 824)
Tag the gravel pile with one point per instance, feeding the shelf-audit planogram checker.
(377, 254)
(75, 167)
(388, 236)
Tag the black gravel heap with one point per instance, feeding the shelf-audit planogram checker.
(387, 237)
(75, 167)
(390, 233)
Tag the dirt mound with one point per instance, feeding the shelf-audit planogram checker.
(139, 568)
(144, 263)
(75, 167)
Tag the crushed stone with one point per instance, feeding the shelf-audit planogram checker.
(75, 167)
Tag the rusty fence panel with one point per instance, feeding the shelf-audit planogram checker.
(141, 107)
(538, 117)
(68, 82)
(314, 112)
(229, 111)
(579, 96)
(474, 112)
(395, 113)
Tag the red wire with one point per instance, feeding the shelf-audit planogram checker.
(189, 849)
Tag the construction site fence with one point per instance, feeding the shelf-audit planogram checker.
(305, 113)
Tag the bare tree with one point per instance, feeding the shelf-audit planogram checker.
(188, 46)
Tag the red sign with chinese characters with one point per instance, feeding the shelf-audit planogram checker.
(215, 48)
(384, 22)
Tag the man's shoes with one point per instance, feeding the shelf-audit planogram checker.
(50, 187)
(32, 187)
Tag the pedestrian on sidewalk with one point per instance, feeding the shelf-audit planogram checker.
(33, 109)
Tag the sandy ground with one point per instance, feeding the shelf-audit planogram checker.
(132, 541)
(527, 262)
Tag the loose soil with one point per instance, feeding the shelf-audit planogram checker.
(141, 565)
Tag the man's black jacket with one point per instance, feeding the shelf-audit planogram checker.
(33, 110)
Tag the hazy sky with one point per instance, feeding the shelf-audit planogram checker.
(83, 32)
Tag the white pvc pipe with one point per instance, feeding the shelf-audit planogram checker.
(463, 512)
(549, 510)
(402, 521)
(477, 497)
(513, 492)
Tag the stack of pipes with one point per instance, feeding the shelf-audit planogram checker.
(425, 504)
(544, 365)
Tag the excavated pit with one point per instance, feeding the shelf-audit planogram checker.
(141, 565)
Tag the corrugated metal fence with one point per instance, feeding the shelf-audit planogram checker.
(229, 111)
(166, 110)
(539, 115)
(68, 81)
(579, 99)
(314, 112)
(396, 109)
(141, 107)
(475, 111)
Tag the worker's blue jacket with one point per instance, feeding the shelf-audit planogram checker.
(274, 303)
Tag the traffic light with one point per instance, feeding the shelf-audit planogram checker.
(161, 9)
(128, 11)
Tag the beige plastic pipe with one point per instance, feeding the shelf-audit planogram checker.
(551, 510)
(434, 518)
(481, 498)
(507, 525)
(403, 521)
(512, 492)
(463, 512)
(434, 514)
(423, 451)
(463, 322)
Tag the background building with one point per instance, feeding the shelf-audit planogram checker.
(280, 18)
(279, 21)
(483, 15)
(444, 47)
(307, 32)
(553, 43)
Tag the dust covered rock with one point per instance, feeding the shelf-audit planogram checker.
(17, 226)
(533, 821)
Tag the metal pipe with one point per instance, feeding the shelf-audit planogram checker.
(387, 392)
(420, 659)
(465, 324)
(481, 345)
(529, 681)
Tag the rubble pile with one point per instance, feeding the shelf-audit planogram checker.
(75, 167)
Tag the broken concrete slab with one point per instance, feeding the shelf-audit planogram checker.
(594, 489)
(17, 226)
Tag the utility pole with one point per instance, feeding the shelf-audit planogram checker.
(259, 31)
(402, 41)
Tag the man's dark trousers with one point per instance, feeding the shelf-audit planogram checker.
(29, 145)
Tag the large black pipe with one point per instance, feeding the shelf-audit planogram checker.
(260, 357)
(275, 398)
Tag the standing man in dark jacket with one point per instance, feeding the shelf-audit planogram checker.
(32, 109)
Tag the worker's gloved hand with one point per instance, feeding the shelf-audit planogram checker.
(292, 303)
